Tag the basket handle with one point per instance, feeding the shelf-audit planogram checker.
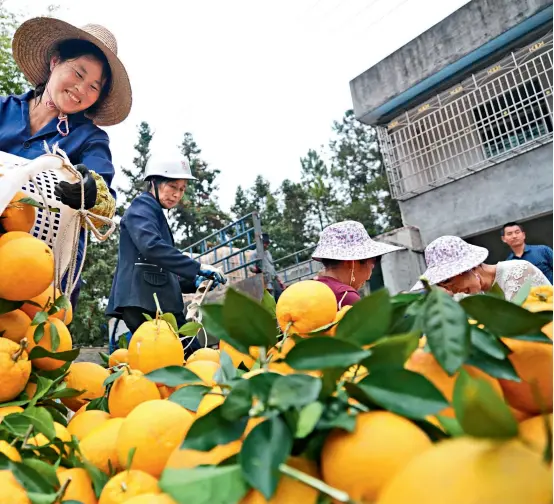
(14, 179)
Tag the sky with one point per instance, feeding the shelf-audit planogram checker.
(257, 83)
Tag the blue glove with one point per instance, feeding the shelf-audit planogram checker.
(213, 273)
(199, 279)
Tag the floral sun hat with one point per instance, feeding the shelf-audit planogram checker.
(449, 256)
(349, 241)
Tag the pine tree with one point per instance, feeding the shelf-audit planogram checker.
(199, 215)
(89, 326)
(315, 176)
(357, 171)
(135, 175)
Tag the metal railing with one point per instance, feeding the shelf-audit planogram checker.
(298, 266)
(234, 248)
(493, 115)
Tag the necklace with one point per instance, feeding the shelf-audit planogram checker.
(62, 118)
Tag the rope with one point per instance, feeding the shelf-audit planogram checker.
(193, 313)
(80, 218)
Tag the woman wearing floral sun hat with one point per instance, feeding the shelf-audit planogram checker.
(459, 268)
(348, 255)
(79, 84)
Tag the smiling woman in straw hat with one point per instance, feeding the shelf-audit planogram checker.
(79, 84)
(460, 269)
(348, 255)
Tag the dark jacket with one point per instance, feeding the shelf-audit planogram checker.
(148, 262)
(86, 144)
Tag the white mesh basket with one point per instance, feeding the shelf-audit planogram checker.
(48, 170)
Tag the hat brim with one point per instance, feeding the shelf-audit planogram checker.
(357, 253)
(31, 47)
(442, 272)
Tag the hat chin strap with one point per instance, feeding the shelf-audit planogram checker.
(156, 193)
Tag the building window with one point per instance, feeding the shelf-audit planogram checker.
(498, 113)
(513, 119)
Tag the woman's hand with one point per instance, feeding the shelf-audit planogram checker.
(70, 194)
(213, 273)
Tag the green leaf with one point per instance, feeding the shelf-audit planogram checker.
(537, 338)
(114, 376)
(359, 328)
(265, 448)
(211, 430)
(190, 329)
(330, 378)
(204, 485)
(227, 370)
(47, 471)
(308, 418)
(38, 352)
(434, 433)
(42, 421)
(504, 318)
(322, 352)
(105, 358)
(122, 342)
(497, 368)
(392, 352)
(403, 392)
(171, 376)
(451, 426)
(189, 397)
(130, 457)
(8, 306)
(43, 498)
(488, 343)
(147, 317)
(99, 478)
(44, 385)
(54, 337)
(66, 392)
(17, 424)
(62, 302)
(239, 401)
(171, 320)
(480, 411)
(497, 292)
(268, 302)
(523, 293)
(248, 321)
(294, 391)
(335, 416)
(212, 319)
(261, 385)
(27, 477)
(40, 317)
(39, 333)
(447, 330)
(101, 403)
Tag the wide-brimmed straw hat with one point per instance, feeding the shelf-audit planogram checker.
(450, 256)
(32, 48)
(349, 241)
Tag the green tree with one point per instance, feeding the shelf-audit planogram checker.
(242, 205)
(89, 326)
(295, 231)
(12, 80)
(321, 198)
(199, 215)
(135, 175)
(357, 170)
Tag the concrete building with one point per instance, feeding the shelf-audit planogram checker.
(464, 118)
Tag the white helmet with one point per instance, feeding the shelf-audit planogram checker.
(172, 169)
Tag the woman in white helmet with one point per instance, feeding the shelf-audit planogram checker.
(148, 261)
